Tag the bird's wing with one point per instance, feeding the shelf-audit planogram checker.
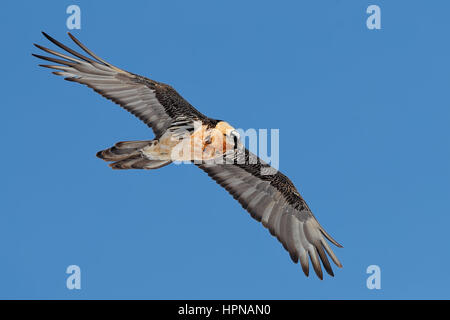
(271, 198)
(155, 103)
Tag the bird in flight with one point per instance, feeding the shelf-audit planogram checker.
(182, 133)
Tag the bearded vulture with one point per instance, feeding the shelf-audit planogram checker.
(184, 134)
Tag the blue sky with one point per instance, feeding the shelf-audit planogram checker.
(364, 134)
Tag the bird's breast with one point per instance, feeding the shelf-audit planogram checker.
(203, 144)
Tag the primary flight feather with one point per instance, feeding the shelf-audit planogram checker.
(182, 133)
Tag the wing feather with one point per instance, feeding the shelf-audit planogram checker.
(273, 200)
(155, 103)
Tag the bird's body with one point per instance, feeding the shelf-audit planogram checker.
(191, 142)
(183, 134)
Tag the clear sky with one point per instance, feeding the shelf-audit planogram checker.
(364, 134)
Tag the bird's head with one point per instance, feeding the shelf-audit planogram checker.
(230, 134)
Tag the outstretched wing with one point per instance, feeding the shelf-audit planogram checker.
(271, 198)
(155, 103)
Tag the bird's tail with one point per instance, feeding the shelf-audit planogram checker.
(128, 155)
